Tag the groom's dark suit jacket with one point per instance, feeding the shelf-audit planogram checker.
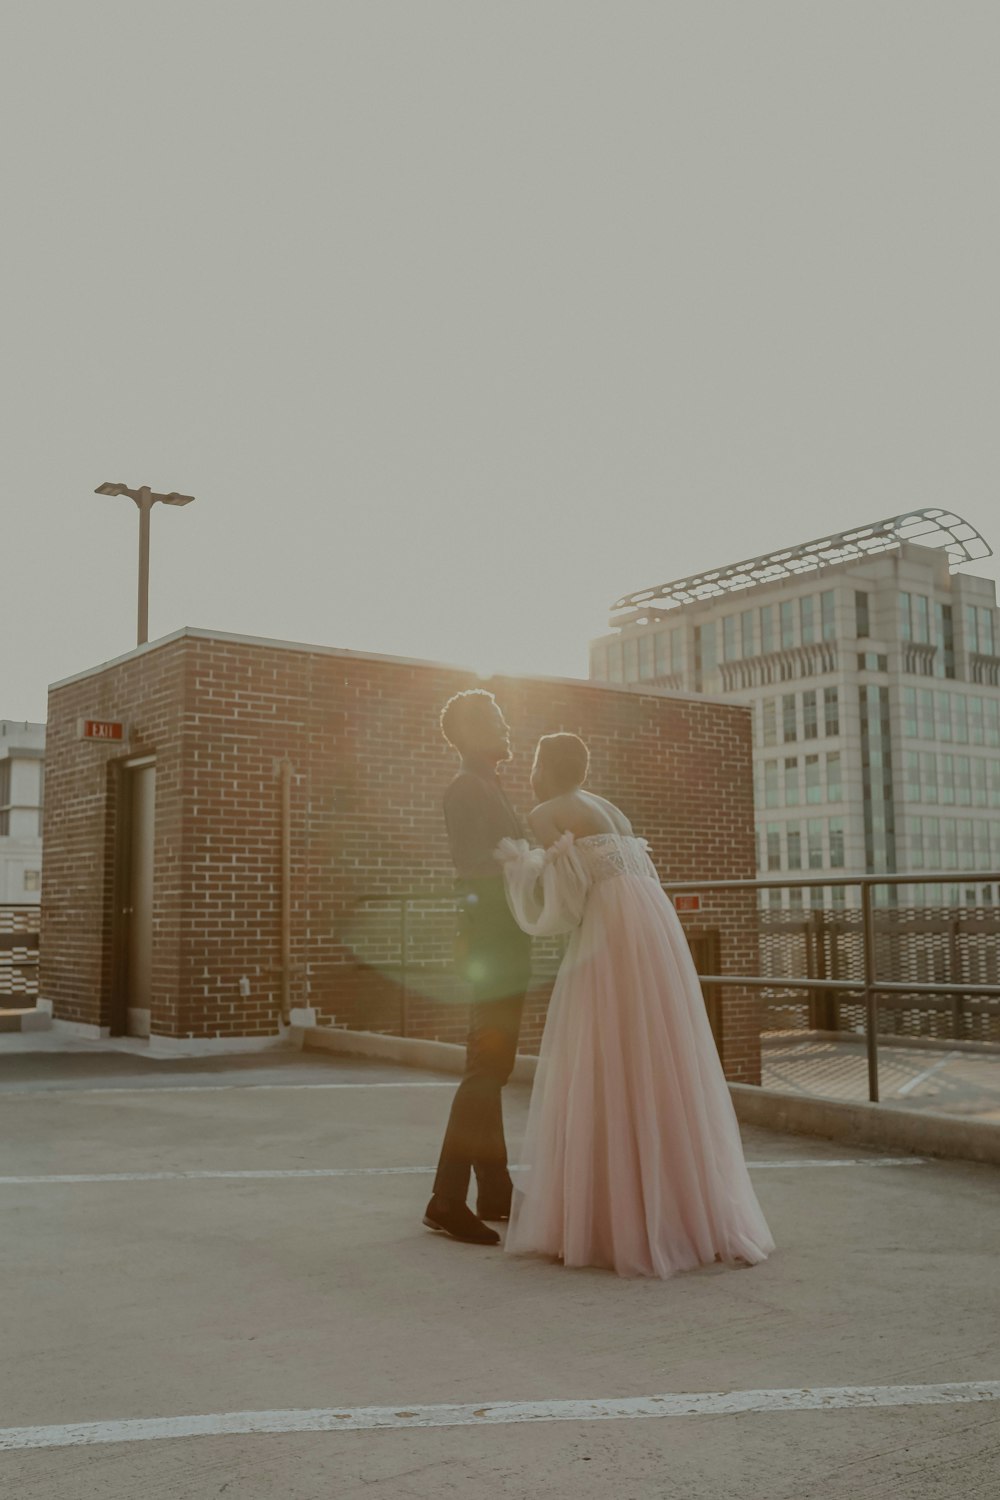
(495, 954)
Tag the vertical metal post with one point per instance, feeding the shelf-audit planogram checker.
(286, 890)
(871, 1000)
(404, 996)
(145, 504)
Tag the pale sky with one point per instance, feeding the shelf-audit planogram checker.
(462, 319)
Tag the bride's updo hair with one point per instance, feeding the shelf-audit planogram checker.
(565, 760)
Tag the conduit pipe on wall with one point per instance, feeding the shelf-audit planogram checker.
(286, 890)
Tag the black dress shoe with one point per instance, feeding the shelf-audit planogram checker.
(459, 1221)
(495, 1207)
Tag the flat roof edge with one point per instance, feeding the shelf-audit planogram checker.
(192, 632)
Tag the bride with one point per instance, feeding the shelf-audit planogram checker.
(633, 1150)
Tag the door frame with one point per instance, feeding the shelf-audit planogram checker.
(121, 887)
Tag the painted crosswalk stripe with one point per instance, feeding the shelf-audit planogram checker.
(265, 1173)
(499, 1413)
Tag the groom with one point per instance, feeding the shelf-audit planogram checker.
(495, 960)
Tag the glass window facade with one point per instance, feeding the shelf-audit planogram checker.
(767, 641)
(828, 614)
(706, 657)
(831, 711)
(789, 718)
(807, 619)
(877, 784)
(861, 613)
(905, 628)
(792, 782)
(944, 640)
(814, 784)
(834, 789)
(928, 777)
(926, 705)
(942, 715)
(946, 780)
(730, 645)
(959, 719)
(810, 723)
(963, 781)
(814, 843)
(769, 722)
(979, 783)
(991, 722)
(915, 618)
(786, 614)
(837, 843)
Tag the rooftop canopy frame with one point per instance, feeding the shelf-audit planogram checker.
(928, 528)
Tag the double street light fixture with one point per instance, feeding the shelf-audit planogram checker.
(145, 499)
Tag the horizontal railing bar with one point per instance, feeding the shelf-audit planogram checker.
(795, 882)
(894, 987)
(948, 877)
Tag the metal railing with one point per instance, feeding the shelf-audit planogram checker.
(870, 986)
(18, 953)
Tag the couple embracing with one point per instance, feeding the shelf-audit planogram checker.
(633, 1154)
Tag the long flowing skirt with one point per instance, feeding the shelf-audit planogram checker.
(633, 1152)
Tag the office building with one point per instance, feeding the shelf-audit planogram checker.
(22, 761)
(872, 667)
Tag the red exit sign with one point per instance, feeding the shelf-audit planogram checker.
(687, 903)
(100, 729)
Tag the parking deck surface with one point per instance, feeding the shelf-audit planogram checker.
(216, 1283)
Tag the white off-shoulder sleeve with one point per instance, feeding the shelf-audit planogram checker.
(546, 888)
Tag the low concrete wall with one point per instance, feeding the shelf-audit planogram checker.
(874, 1125)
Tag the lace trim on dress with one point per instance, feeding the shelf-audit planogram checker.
(609, 854)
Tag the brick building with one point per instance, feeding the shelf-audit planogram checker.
(245, 847)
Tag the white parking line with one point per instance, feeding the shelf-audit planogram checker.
(912, 1083)
(223, 1088)
(853, 1161)
(500, 1413)
(278, 1172)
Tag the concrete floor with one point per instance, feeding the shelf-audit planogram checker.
(156, 1296)
(933, 1080)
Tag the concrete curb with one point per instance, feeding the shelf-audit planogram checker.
(877, 1125)
(410, 1052)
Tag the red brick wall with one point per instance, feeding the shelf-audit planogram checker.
(369, 767)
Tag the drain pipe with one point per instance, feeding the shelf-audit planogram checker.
(286, 891)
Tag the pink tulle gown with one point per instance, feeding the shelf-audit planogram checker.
(633, 1152)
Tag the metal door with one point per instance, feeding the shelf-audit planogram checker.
(132, 986)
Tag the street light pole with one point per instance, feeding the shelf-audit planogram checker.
(145, 499)
(145, 504)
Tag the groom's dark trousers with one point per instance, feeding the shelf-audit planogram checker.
(494, 956)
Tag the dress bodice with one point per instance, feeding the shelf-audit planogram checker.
(547, 889)
(606, 855)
